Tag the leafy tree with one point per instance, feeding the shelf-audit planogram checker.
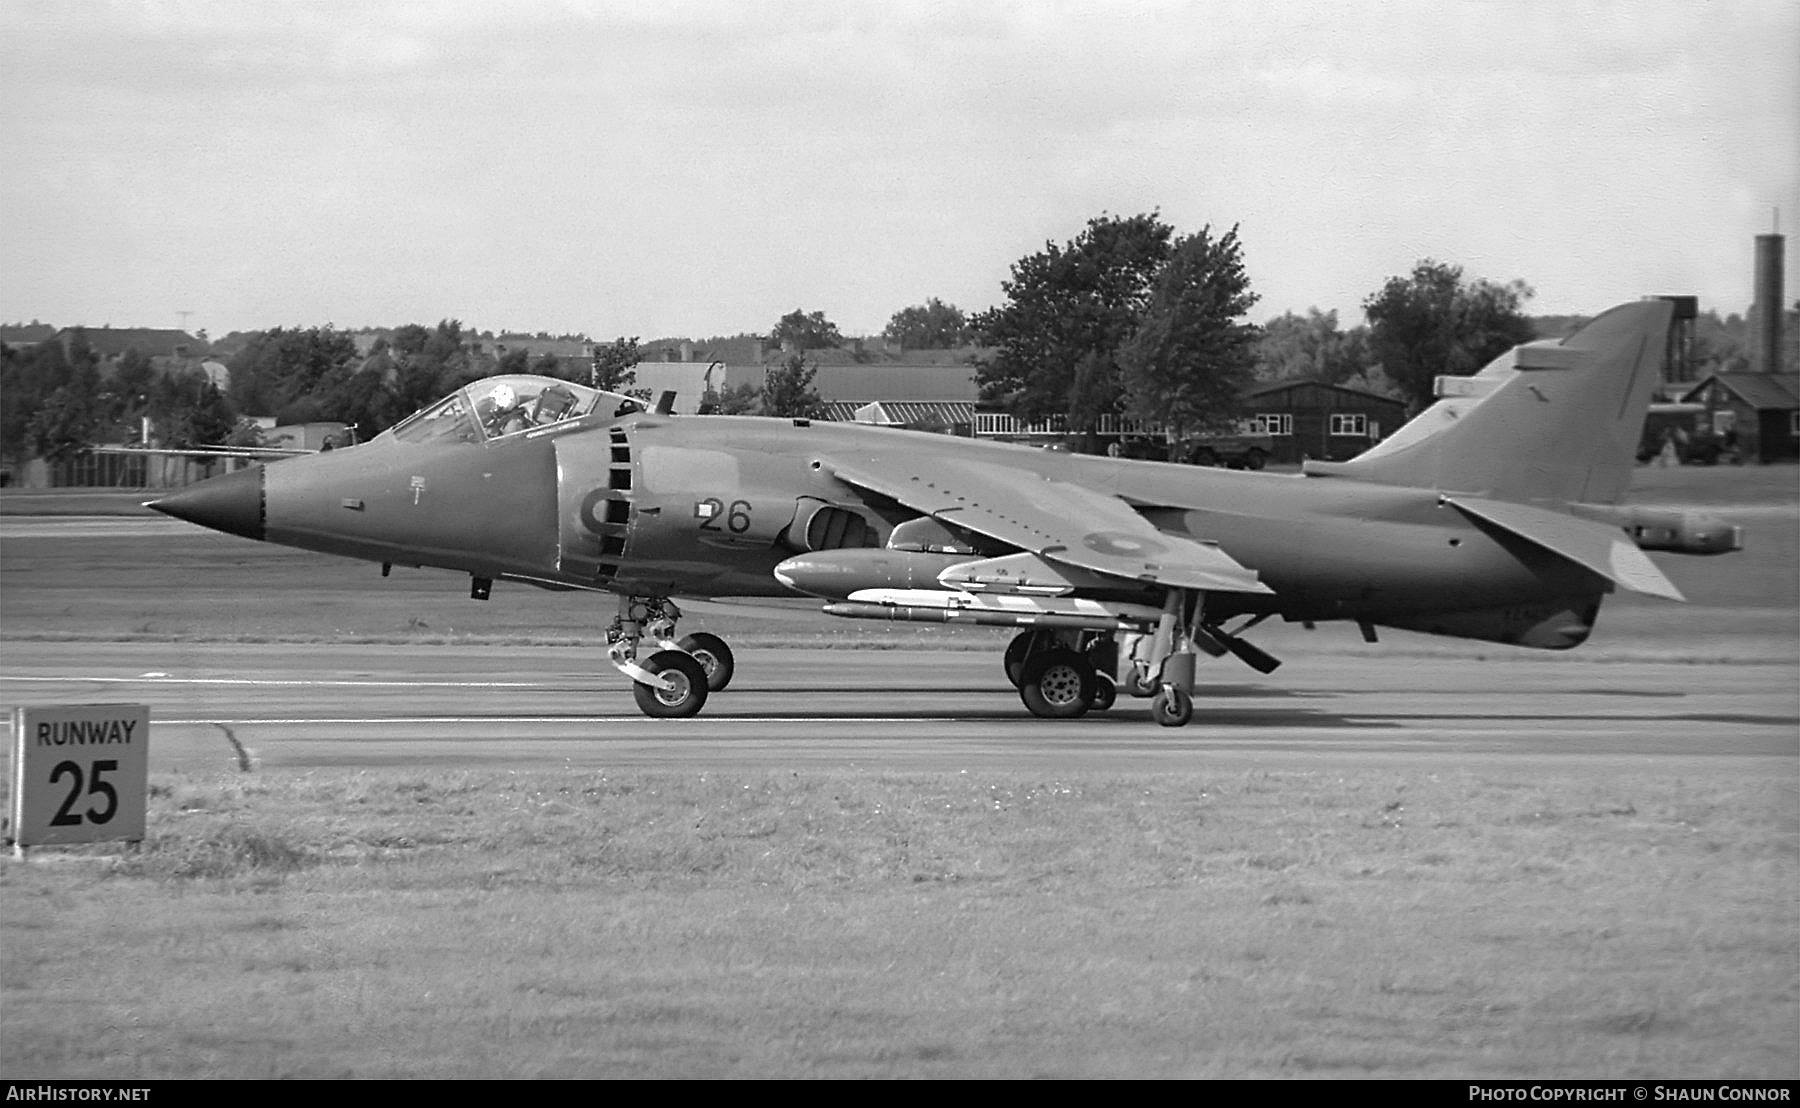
(279, 367)
(514, 361)
(245, 433)
(1192, 353)
(314, 374)
(368, 401)
(127, 394)
(447, 358)
(805, 331)
(189, 411)
(81, 356)
(425, 365)
(615, 364)
(933, 325)
(1431, 324)
(410, 338)
(787, 390)
(66, 424)
(68, 411)
(28, 377)
(1068, 311)
(1721, 345)
(1310, 347)
(548, 365)
(745, 399)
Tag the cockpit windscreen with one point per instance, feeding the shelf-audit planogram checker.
(507, 405)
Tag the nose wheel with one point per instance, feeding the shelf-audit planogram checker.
(714, 657)
(685, 681)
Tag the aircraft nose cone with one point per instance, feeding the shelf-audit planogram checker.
(232, 503)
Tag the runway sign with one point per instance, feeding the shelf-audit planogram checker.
(79, 773)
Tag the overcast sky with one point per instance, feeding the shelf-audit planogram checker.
(691, 168)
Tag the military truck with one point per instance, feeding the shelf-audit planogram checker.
(1689, 426)
(1234, 451)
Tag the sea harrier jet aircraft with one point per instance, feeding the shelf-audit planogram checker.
(1495, 514)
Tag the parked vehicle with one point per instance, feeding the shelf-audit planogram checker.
(1688, 426)
(1231, 451)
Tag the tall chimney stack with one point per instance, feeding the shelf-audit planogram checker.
(1766, 357)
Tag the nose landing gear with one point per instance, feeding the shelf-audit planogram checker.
(673, 682)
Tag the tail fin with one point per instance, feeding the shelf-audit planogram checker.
(1547, 421)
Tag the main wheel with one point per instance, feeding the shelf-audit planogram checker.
(1016, 652)
(1171, 707)
(1106, 694)
(688, 678)
(1255, 459)
(714, 657)
(1056, 684)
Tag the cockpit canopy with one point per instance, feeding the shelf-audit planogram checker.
(496, 406)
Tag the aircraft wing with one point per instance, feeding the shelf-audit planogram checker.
(1056, 520)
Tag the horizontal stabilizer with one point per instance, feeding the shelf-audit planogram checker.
(1594, 546)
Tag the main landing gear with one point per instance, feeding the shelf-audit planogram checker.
(673, 682)
(1062, 673)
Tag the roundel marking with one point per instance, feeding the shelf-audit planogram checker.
(1122, 544)
(588, 503)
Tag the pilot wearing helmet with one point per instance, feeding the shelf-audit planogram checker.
(501, 411)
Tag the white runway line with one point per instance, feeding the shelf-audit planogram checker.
(339, 721)
(286, 682)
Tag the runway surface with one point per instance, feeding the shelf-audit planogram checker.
(883, 710)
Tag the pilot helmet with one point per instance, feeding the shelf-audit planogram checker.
(503, 396)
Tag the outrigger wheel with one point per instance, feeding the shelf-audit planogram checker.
(1171, 707)
(688, 678)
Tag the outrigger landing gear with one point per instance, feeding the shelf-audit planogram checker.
(1167, 672)
(673, 682)
(1161, 666)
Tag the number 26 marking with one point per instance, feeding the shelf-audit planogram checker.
(737, 517)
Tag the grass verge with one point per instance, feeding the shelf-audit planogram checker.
(389, 924)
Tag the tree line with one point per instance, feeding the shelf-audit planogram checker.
(1130, 317)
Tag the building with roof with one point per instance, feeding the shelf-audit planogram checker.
(1312, 419)
(1759, 411)
(947, 417)
(1302, 418)
(20, 335)
(949, 387)
(110, 343)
